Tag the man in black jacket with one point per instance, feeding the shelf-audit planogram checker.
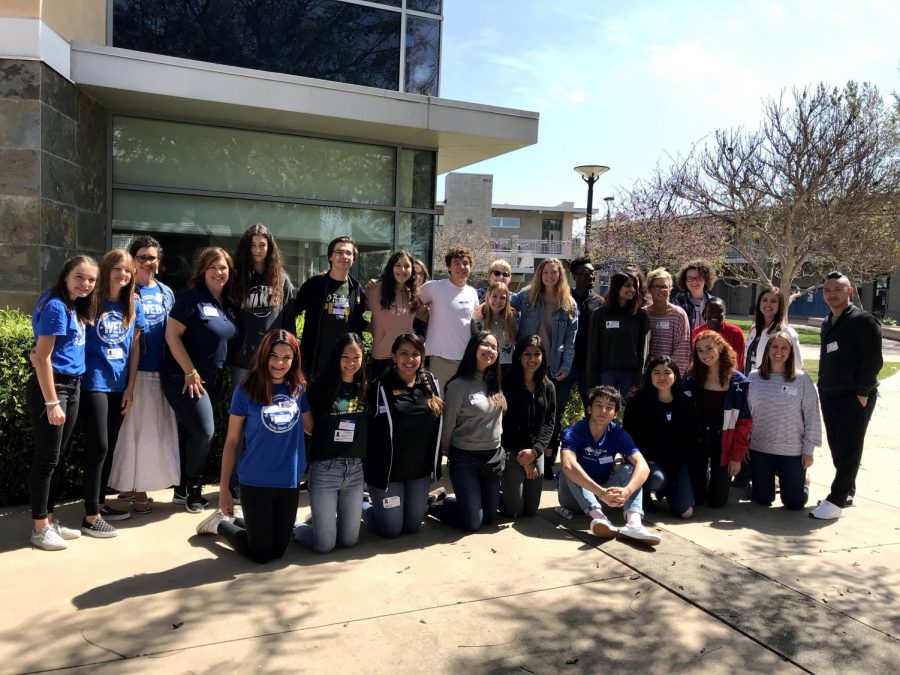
(849, 362)
(333, 303)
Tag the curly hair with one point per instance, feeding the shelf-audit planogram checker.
(702, 266)
(458, 252)
(727, 358)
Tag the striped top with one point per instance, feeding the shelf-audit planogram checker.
(786, 418)
(670, 335)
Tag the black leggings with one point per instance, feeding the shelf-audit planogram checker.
(101, 419)
(51, 443)
(263, 534)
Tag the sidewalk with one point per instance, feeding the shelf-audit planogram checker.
(739, 589)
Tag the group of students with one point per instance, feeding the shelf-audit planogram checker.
(150, 369)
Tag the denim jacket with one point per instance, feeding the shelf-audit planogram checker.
(562, 351)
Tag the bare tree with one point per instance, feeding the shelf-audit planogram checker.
(816, 187)
(653, 227)
(459, 233)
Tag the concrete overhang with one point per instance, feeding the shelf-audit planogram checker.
(148, 85)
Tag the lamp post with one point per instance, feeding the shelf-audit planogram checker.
(589, 174)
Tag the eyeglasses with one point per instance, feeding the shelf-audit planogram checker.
(499, 273)
(488, 346)
(690, 277)
(146, 258)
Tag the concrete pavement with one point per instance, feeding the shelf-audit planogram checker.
(742, 588)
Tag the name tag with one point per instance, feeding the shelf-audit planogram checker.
(605, 460)
(339, 305)
(345, 431)
(612, 324)
(115, 354)
(477, 398)
(831, 347)
(790, 391)
(668, 415)
(382, 409)
(209, 310)
(391, 502)
(663, 325)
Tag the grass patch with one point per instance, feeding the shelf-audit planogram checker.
(807, 336)
(889, 368)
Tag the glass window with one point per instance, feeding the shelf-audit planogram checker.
(326, 39)
(185, 223)
(414, 233)
(423, 38)
(506, 222)
(417, 179)
(432, 6)
(171, 154)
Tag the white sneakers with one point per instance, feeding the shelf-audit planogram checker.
(210, 524)
(640, 533)
(826, 511)
(601, 527)
(48, 539)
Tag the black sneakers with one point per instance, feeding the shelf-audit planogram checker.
(195, 501)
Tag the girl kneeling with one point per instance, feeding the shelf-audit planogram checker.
(269, 413)
(404, 436)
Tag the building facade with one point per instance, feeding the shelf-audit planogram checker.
(192, 120)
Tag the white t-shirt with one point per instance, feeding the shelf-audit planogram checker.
(449, 318)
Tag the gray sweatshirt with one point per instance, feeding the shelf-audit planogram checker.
(472, 421)
(786, 418)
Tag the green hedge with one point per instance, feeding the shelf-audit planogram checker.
(16, 438)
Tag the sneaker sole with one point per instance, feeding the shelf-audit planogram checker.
(643, 539)
(99, 535)
(194, 508)
(206, 521)
(117, 517)
(604, 530)
(50, 547)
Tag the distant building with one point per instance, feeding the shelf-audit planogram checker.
(521, 234)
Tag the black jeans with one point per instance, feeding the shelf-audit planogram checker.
(101, 419)
(846, 422)
(263, 534)
(196, 422)
(708, 478)
(51, 443)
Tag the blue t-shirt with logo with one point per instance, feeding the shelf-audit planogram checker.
(275, 452)
(596, 457)
(108, 346)
(157, 301)
(52, 317)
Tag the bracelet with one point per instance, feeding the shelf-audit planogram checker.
(191, 373)
(50, 404)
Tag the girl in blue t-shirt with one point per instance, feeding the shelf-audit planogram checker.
(146, 454)
(269, 414)
(111, 357)
(53, 390)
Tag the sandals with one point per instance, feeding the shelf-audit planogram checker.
(142, 507)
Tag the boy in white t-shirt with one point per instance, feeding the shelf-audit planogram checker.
(450, 304)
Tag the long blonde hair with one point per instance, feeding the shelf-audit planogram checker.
(563, 292)
(507, 315)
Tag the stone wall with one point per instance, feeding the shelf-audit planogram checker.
(53, 164)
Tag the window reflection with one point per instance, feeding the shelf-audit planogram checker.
(417, 179)
(432, 6)
(422, 49)
(325, 39)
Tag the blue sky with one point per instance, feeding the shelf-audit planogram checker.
(623, 83)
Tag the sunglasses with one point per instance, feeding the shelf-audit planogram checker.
(498, 273)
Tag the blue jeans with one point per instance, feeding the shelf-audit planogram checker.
(336, 497)
(622, 379)
(791, 476)
(521, 495)
(406, 515)
(575, 498)
(476, 500)
(679, 493)
(196, 422)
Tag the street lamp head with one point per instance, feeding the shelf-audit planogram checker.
(608, 200)
(592, 171)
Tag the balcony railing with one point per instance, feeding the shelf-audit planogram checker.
(540, 248)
